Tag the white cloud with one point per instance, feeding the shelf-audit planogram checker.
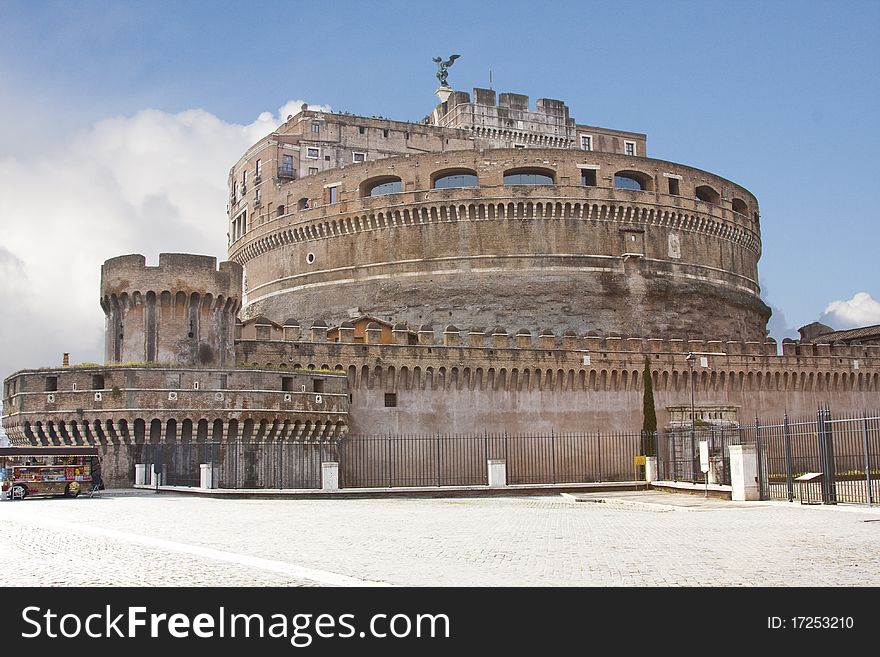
(861, 310)
(134, 184)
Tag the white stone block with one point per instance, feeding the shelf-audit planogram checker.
(744, 473)
(208, 476)
(330, 475)
(650, 469)
(497, 473)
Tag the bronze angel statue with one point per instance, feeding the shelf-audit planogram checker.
(443, 68)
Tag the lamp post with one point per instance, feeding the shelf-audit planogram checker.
(691, 359)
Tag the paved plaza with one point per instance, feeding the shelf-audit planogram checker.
(133, 538)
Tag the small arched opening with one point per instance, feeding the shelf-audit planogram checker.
(635, 180)
(707, 194)
(380, 186)
(530, 176)
(454, 178)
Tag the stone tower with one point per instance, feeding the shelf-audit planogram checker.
(181, 312)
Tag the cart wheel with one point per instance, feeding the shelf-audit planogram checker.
(73, 489)
(19, 491)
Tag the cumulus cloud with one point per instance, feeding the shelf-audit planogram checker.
(145, 183)
(861, 310)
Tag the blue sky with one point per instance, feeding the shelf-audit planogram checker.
(97, 100)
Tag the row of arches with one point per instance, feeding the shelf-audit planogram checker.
(172, 302)
(519, 137)
(428, 213)
(140, 431)
(596, 379)
(461, 177)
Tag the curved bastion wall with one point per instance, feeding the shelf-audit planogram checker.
(676, 257)
(182, 311)
(120, 409)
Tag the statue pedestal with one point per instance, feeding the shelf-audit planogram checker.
(443, 93)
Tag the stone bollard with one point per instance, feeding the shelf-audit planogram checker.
(156, 478)
(208, 476)
(744, 473)
(497, 473)
(330, 475)
(650, 469)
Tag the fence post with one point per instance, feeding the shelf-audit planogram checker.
(786, 437)
(759, 448)
(553, 454)
(438, 460)
(867, 458)
(486, 449)
(599, 452)
(388, 457)
(830, 478)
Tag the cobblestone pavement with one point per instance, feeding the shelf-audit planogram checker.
(172, 540)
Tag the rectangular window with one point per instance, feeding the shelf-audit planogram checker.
(244, 177)
(313, 153)
(317, 385)
(313, 170)
(332, 194)
(390, 399)
(258, 171)
(358, 157)
(223, 381)
(629, 147)
(316, 128)
(51, 383)
(287, 384)
(586, 142)
(588, 177)
(361, 130)
(279, 211)
(385, 133)
(258, 198)
(519, 145)
(97, 381)
(674, 189)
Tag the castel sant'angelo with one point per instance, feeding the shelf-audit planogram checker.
(496, 265)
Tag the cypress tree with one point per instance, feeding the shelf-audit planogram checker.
(649, 423)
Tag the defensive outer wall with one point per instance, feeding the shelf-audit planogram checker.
(471, 381)
(579, 253)
(120, 408)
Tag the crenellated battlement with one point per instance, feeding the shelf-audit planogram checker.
(527, 340)
(175, 271)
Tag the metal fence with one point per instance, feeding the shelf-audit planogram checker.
(239, 464)
(678, 453)
(460, 459)
(837, 457)
(392, 461)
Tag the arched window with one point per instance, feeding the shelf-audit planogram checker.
(707, 194)
(632, 180)
(381, 186)
(302, 204)
(530, 177)
(452, 179)
(740, 206)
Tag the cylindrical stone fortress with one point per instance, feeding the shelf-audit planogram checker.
(540, 237)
